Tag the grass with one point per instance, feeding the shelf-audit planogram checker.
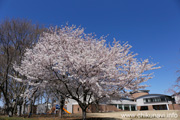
(15, 118)
(141, 115)
(164, 115)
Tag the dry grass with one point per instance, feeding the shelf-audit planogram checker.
(141, 115)
(163, 115)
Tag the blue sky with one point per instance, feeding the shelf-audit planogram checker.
(152, 27)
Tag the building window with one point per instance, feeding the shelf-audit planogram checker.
(78, 109)
(133, 107)
(120, 107)
(126, 107)
(155, 99)
(144, 108)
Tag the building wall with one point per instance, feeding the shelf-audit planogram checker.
(123, 101)
(171, 107)
(150, 107)
(94, 108)
(76, 109)
(107, 108)
(69, 104)
(138, 108)
(175, 106)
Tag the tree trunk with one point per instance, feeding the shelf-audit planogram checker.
(12, 111)
(24, 108)
(52, 105)
(14, 108)
(8, 110)
(20, 109)
(30, 112)
(9, 113)
(60, 113)
(6, 101)
(47, 105)
(97, 106)
(61, 102)
(83, 114)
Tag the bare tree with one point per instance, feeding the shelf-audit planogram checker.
(15, 36)
(175, 89)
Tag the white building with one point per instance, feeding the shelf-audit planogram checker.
(124, 104)
(140, 100)
(154, 102)
(41, 108)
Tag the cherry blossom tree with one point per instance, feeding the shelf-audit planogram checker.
(83, 67)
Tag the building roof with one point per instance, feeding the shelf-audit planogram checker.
(140, 91)
(152, 95)
(121, 101)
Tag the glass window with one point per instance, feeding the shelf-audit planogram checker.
(120, 107)
(126, 107)
(156, 99)
(133, 107)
